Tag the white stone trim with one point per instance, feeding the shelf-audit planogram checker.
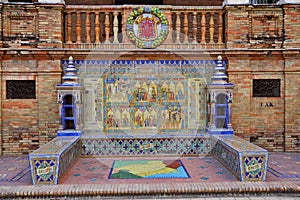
(52, 1)
(289, 2)
(235, 2)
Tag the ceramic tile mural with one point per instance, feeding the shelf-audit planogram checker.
(127, 96)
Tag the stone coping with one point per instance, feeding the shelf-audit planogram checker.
(239, 144)
(89, 190)
(55, 147)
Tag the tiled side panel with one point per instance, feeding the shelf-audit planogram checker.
(68, 158)
(228, 157)
(43, 170)
(254, 167)
(145, 146)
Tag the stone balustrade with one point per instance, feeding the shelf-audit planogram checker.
(104, 27)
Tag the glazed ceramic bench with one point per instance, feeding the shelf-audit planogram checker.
(50, 162)
(246, 161)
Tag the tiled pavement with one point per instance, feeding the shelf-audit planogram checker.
(88, 178)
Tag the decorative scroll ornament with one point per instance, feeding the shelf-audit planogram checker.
(147, 27)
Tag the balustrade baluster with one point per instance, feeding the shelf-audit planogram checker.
(194, 27)
(78, 28)
(220, 39)
(116, 27)
(170, 36)
(211, 28)
(203, 28)
(69, 27)
(107, 28)
(97, 27)
(185, 28)
(88, 28)
(177, 27)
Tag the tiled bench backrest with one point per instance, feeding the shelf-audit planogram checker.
(176, 145)
(245, 160)
(50, 162)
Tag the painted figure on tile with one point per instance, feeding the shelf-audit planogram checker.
(109, 91)
(144, 92)
(152, 92)
(171, 118)
(164, 119)
(171, 95)
(138, 118)
(179, 91)
(125, 118)
(117, 119)
(146, 116)
(164, 92)
(111, 122)
(153, 118)
(179, 95)
(116, 88)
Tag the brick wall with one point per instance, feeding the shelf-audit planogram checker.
(292, 26)
(236, 27)
(270, 122)
(28, 123)
(292, 104)
(240, 75)
(49, 120)
(30, 25)
(19, 117)
(51, 32)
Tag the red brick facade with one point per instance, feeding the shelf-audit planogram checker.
(260, 42)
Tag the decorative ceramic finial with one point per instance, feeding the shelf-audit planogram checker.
(70, 73)
(219, 76)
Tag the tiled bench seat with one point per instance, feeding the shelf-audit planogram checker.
(245, 160)
(50, 162)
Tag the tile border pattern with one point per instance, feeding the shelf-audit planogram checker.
(145, 146)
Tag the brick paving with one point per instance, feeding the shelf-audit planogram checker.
(281, 180)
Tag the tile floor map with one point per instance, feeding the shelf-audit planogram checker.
(148, 169)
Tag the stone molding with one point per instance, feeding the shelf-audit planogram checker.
(52, 1)
(288, 2)
(235, 2)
